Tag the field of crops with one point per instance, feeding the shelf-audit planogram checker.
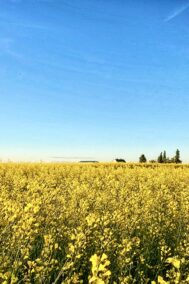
(94, 223)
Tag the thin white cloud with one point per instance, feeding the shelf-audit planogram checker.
(30, 26)
(16, 1)
(7, 47)
(72, 158)
(6, 43)
(5, 19)
(24, 25)
(177, 12)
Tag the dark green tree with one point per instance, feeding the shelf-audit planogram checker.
(177, 157)
(164, 157)
(142, 159)
(160, 158)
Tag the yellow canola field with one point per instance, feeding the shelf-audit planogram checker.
(94, 223)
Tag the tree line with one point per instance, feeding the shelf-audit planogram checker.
(162, 158)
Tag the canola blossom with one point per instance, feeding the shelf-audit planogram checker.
(94, 223)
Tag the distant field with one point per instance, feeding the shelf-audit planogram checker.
(94, 223)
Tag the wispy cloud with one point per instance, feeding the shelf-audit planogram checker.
(30, 26)
(24, 24)
(71, 158)
(6, 46)
(6, 42)
(177, 12)
(15, 1)
(6, 19)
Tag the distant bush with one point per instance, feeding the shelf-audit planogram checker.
(120, 160)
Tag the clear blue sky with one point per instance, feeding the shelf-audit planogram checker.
(94, 79)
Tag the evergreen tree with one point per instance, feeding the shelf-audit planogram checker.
(160, 158)
(164, 157)
(142, 159)
(177, 157)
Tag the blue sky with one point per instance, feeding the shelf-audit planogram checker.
(93, 79)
